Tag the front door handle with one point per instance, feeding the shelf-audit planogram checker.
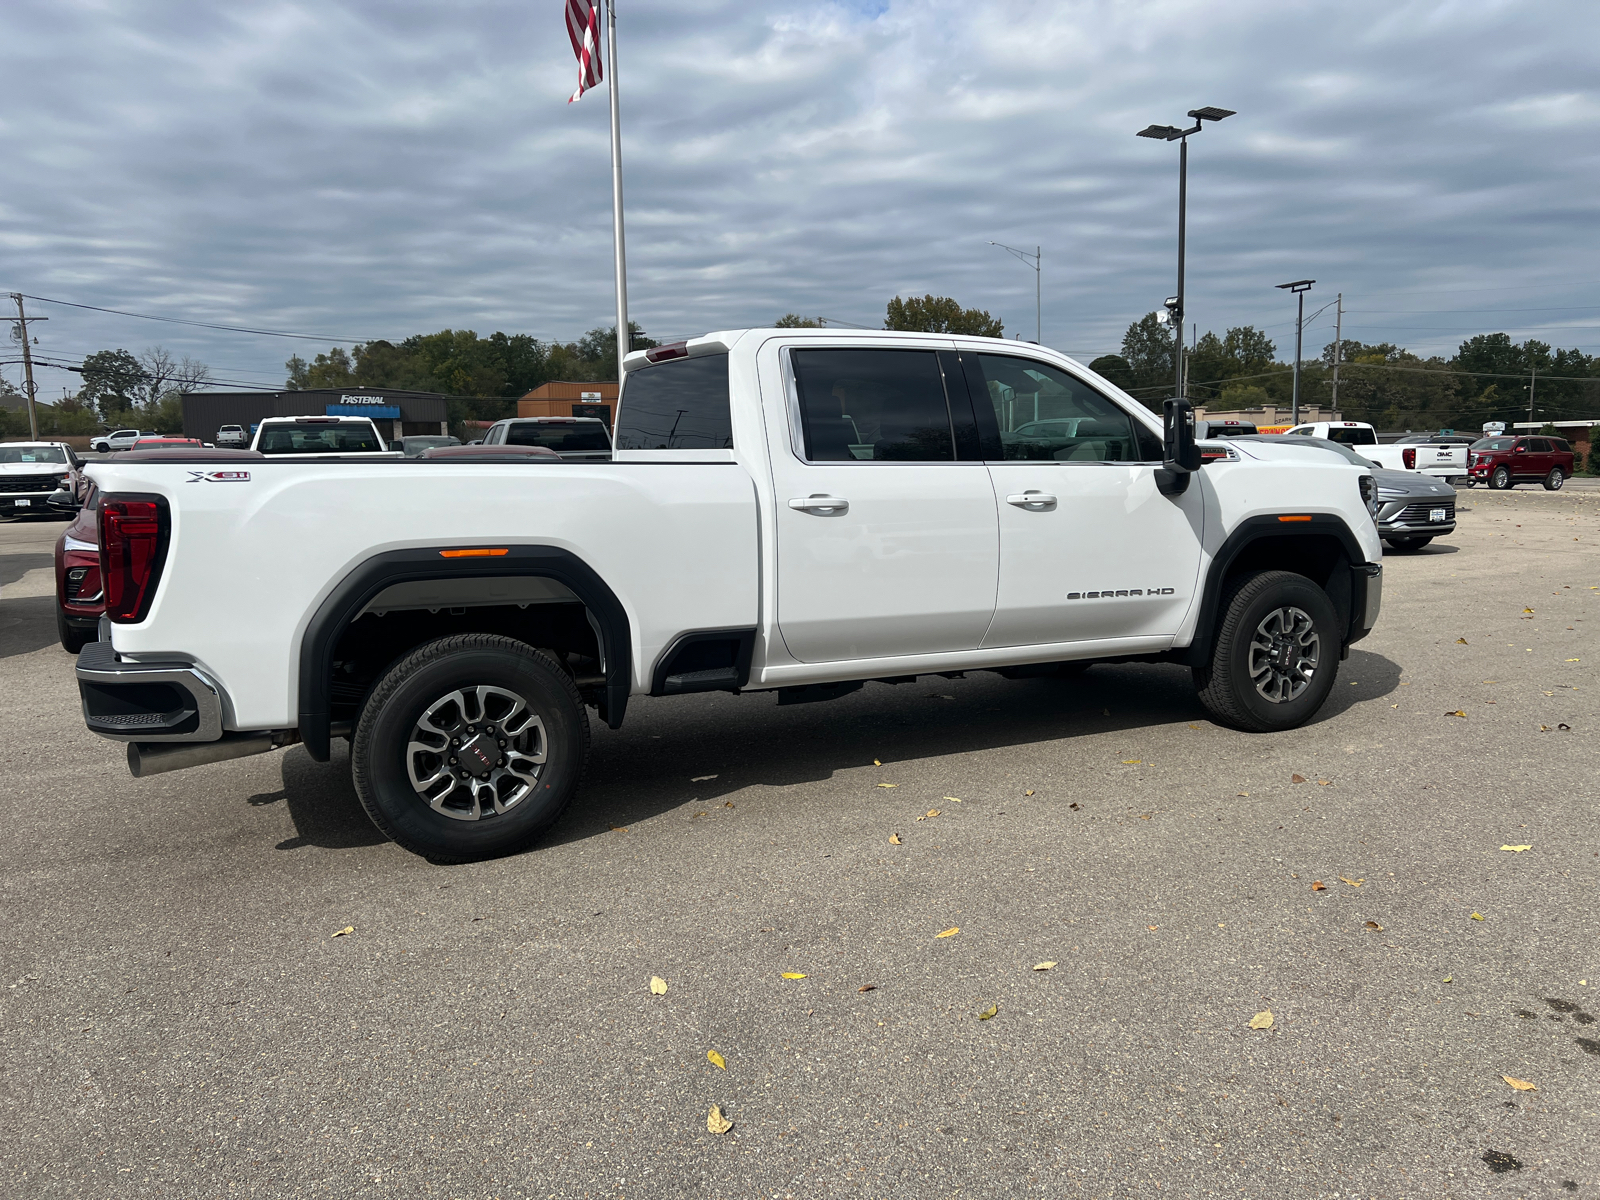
(1034, 501)
(823, 506)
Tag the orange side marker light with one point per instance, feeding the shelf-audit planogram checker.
(475, 553)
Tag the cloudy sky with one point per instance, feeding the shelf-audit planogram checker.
(360, 170)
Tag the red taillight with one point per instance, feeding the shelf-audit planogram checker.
(132, 545)
(1409, 457)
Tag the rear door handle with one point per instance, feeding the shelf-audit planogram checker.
(1037, 501)
(824, 506)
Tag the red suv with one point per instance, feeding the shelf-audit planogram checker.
(1503, 462)
(80, 599)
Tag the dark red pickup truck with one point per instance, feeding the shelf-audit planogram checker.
(1503, 462)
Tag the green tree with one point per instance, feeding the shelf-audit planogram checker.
(940, 314)
(113, 381)
(1115, 368)
(1147, 347)
(1238, 396)
(796, 321)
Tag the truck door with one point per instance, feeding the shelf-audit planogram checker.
(887, 544)
(1089, 548)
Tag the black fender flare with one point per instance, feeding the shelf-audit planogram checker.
(357, 589)
(1275, 526)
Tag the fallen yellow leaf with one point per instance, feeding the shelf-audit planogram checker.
(1522, 1085)
(951, 932)
(953, 799)
(1352, 882)
(933, 812)
(1029, 792)
(716, 1122)
(1318, 886)
(876, 763)
(794, 975)
(1527, 610)
(1244, 795)
(989, 1012)
(1132, 762)
(1456, 713)
(1262, 1020)
(1374, 925)
(716, 1060)
(348, 929)
(658, 986)
(1477, 916)
(1044, 966)
(1574, 660)
(1297, 779)
(620, 828)
(888, 785)
(1152, 927)
(1324, 783)
(1516, 849)
(1448, 979)
(1461, 641)
(894, 839)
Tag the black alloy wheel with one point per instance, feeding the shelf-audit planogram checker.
(1276, 653)
(470, 747)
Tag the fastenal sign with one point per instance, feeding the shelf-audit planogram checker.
(377, 400)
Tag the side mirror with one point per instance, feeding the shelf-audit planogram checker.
(63, 500)
(1181, 453)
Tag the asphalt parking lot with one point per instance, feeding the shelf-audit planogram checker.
(180, 1018)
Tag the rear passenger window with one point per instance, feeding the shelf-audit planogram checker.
(680, 404)
(1560, 444)
(873, 405)
(1044, 413)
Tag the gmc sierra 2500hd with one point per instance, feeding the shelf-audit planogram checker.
(788, 510)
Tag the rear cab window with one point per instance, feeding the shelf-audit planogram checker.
(312, 438)
(678, 404)
(1352, 437)
(572, 439)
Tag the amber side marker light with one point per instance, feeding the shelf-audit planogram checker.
(500, 553)
(1294, 518)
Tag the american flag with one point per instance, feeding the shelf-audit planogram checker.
(583, 27)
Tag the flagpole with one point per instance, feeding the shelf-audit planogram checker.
(623, 340)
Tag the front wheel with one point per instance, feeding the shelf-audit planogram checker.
(72, 638)
(1275, 656)
(1554, 480)
(470, 747)
(1407, 545)
(1501, 479)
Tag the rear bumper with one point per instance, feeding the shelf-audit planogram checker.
(1366, 599)
(147, 701)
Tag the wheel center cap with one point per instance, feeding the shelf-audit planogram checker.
(479, 754)
(1285, 655)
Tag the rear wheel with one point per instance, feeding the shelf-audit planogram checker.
(1406, 545)
(1275, 656)
(470, 747)
(1501, 479)
(1554, 480)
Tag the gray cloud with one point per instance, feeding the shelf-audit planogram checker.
(384, 169)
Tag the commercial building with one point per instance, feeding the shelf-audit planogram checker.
(397, 414)
(558, 399)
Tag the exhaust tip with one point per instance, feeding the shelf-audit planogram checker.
(157, 758)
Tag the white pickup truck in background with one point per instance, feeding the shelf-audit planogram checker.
(320, 437)
(1447, 460)
(788, 511)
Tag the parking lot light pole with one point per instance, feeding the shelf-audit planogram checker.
(1171, 133)
(1299, 287)
(1038, 309)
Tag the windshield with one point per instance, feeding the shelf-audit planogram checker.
(560, 438)
(32, 454)
(1493, 443)
(416, 445)
(318, 439)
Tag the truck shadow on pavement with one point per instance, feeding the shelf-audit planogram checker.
(322, 803)
(650, 766)
(27, 623)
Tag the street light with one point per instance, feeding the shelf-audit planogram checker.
(1023, 256)
(1171, 133)
(1299, 287)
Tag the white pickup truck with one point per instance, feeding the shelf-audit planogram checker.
(788, 511)
(1447, 460)
(320, 437)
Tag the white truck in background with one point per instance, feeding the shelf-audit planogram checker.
(320, 437)
(1446, 460)
(788, 511)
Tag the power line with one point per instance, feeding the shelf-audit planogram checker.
(307, 337)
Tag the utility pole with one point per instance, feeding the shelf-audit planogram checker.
(1299, 287)
(1533, 382)
(1023, 256)
(1338, 351)
(27, 364)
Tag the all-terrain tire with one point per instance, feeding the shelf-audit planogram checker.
(381, 763)
(1225, 684)
(1554, 480)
